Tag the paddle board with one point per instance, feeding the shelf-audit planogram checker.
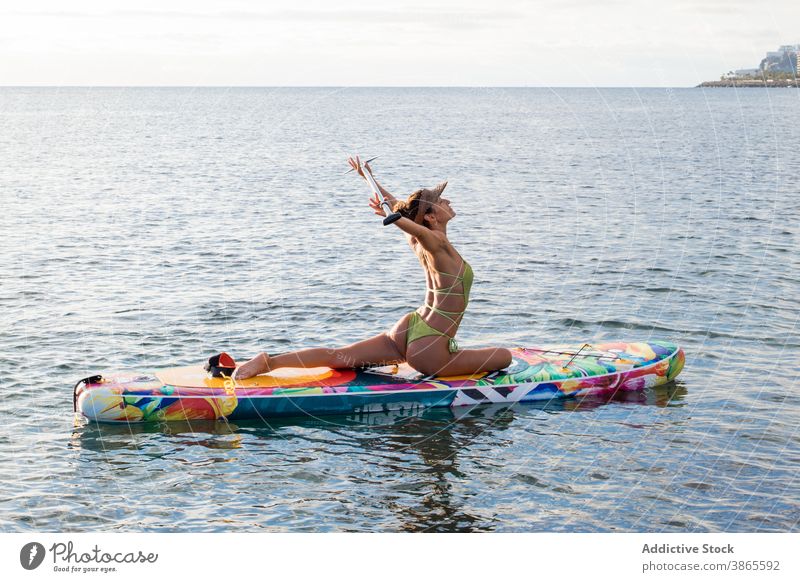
(537, 373)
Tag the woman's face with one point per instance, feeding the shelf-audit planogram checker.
(445, 208)
(442, 210)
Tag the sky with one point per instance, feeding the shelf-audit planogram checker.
(542, 43)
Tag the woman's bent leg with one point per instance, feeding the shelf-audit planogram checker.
(460, 363)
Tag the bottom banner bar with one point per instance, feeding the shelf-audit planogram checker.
(389, 557)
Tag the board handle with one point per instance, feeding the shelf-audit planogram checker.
(96, 379)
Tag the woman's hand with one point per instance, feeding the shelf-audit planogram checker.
(375, 201)
(355, 163)
(375, 204)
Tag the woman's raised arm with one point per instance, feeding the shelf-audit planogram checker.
(426, 237)
(429, 240)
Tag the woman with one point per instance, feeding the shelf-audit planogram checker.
(424, 338)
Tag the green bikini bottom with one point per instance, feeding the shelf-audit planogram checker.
(418, 328)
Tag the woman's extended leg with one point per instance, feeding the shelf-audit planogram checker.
(378, 350)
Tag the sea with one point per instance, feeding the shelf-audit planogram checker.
(143, 228)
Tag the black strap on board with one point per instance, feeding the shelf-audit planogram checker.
(220, 365)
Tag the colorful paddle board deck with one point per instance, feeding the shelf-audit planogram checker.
(536, 374)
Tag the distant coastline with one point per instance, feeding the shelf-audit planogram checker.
(779, 68)
(755, 83)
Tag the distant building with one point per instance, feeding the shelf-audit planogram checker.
(780, 64)
(783, 60)
(781, 68)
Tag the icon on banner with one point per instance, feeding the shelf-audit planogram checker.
(31, 555)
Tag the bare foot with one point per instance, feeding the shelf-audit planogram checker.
(254, 367)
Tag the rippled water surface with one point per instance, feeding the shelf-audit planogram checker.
(146, 228)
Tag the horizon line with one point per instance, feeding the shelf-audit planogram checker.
(45, 86)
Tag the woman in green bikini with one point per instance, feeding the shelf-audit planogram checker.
(424, 338)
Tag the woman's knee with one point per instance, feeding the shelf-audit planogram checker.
(496, 359)
(506, 359)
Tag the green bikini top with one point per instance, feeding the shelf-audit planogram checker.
(464, 277)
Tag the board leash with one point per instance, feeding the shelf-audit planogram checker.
(600, 356)
(572, 359)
